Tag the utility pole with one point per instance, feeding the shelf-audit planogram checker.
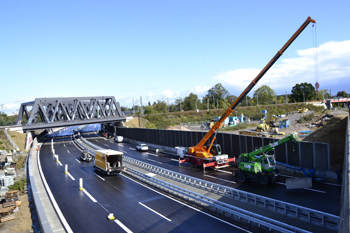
(133, 110)
(141, 105)
(196, 105)
(208, 104)
(217, 104)
(180, 104)
(276, 97)
(2, 108)
(304, 96)
(257, 99)
(167, 100)
(213, 103)
(286, 98)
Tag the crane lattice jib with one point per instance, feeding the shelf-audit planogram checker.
(271, 146)
(218, 124)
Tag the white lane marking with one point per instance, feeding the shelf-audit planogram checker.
(221, 179)
(122, 226)
(174, 160)
(151, 174)
(106, 145)
(99, 177)
(96, 140)
(88, 194)
(154, 211)
(200, 211)
(64, 145)
(48, 190)
(124, 152)
(224, 171)
(315, 190)
(153, 154)
(319, 191)
(121, 145)
(71, 176)
(132, 149)
(286, 175)
(154, 161)
(59, 163)
(68, 151)
(330, 184)
(78, 161)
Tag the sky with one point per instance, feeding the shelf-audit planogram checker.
(163, 50)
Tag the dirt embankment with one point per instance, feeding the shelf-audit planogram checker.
(333, 132)
(134, 123)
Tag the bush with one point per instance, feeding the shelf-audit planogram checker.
(20, 160)
(18, 185)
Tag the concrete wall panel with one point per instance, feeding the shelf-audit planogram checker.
(306, 149)
(321, 156)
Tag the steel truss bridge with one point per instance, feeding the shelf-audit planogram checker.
(46, 113)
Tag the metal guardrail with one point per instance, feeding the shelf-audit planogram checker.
(237, 214)
(295, 211)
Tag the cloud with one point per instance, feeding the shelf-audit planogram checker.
(200, 90)
(169, 94)
(333, 70)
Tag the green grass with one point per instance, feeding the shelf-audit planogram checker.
(237, 127)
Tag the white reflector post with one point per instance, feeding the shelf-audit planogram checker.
(81, 184)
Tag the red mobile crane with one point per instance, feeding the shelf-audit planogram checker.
(210, 156)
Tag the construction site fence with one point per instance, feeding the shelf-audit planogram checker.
(312, 155)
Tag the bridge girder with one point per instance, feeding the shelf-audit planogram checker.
(46, 113)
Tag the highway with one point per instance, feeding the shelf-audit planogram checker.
(323, 197)
(136, 207)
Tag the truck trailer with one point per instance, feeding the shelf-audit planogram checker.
(109, 162)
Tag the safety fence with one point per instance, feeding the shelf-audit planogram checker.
(313, 155)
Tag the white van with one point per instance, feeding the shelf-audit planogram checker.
(118, 139)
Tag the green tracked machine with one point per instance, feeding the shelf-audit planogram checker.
(259, 165)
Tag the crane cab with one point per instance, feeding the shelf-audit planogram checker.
(215, 149)
(268, 163)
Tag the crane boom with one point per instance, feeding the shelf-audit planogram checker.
(199, 147)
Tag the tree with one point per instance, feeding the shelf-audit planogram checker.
(342, 94)
(160, 106)
(179, 102)
(190, 102)
(149, 110)
(264, 95)
(323, 94)
(303, 91)
(215, 94)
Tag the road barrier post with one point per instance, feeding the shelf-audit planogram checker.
(66, 169)
(81, 184)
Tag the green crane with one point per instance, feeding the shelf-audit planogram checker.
(258, 165)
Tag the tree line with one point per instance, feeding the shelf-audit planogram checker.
(218, 97)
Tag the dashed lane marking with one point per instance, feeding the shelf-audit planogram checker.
(99, 177)
(68, 151)
(78, 161)
(319, 191)
(154, 211)
(224, 171)
(88, 194)
(221, 179)
(70, 176)
(154, 161)
(153, 154)
(176, 160)
(132, 149)
(122, 226)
